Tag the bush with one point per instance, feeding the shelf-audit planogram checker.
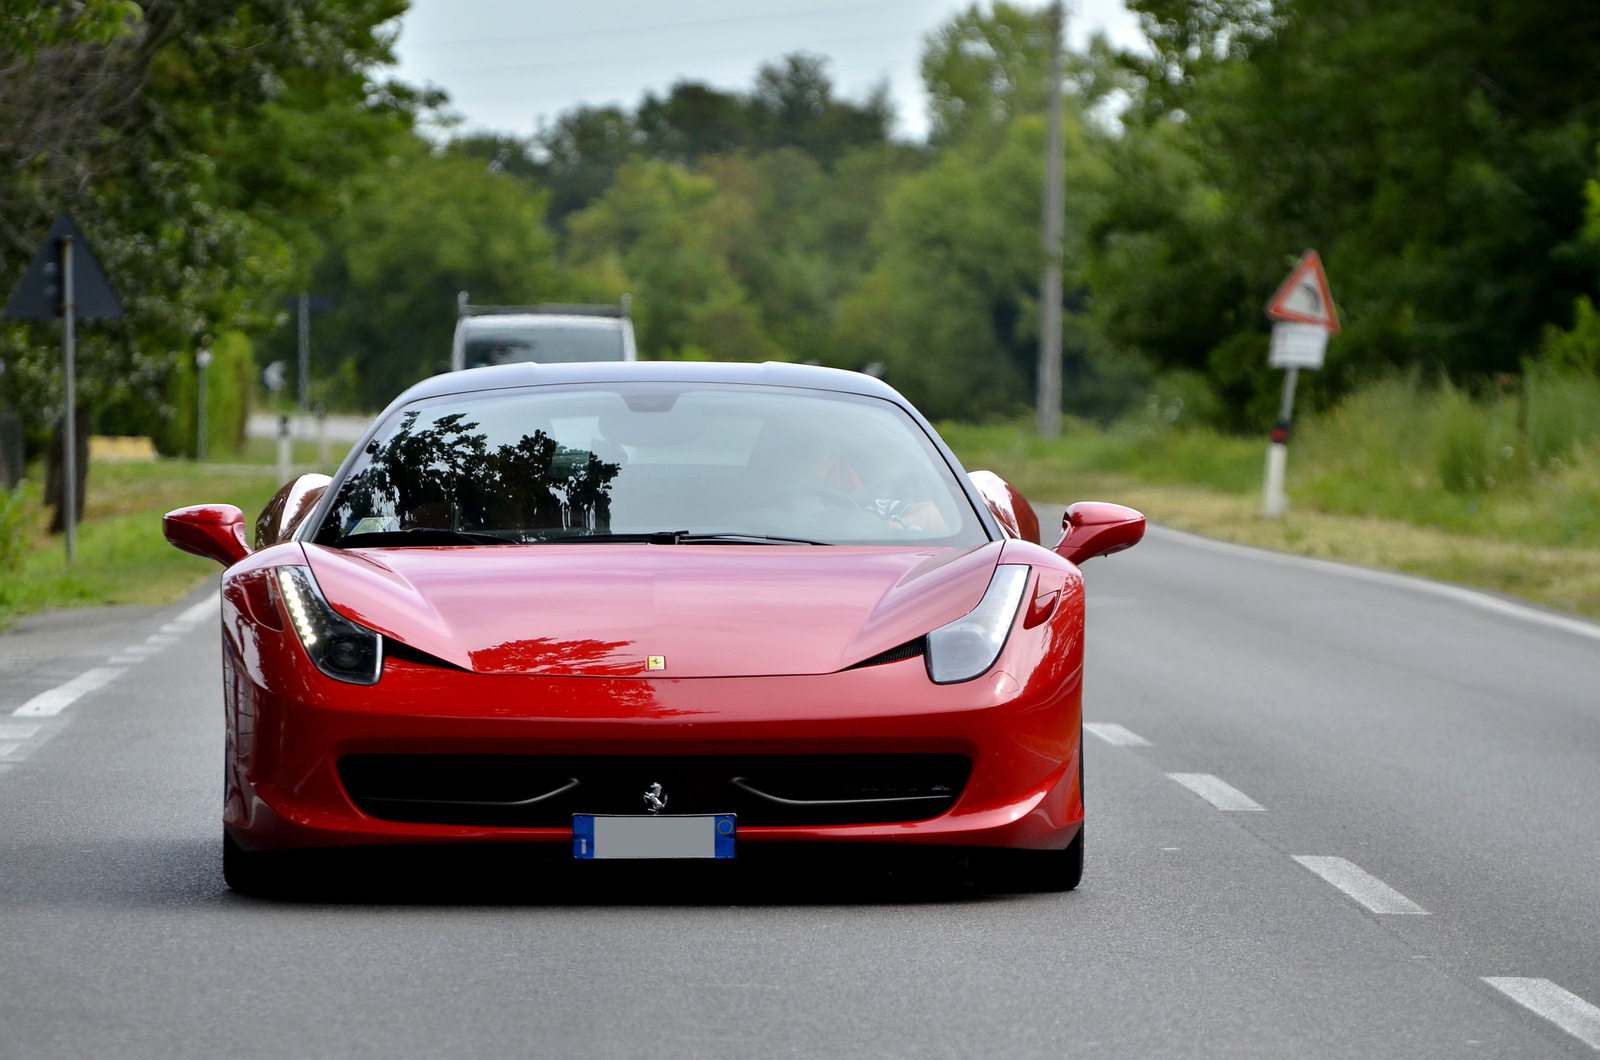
(16, 526)
(230, 381)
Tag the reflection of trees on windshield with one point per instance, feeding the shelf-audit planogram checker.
(445, 476)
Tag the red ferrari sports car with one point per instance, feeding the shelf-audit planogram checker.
(648, 610)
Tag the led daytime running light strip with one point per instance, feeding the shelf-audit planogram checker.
(295, 599)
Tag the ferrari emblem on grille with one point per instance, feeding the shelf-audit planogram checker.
(655, 662)
(654, 799)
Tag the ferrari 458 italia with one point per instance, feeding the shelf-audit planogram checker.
(653, 610)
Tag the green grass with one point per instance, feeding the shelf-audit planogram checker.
(121, 556)
(1500, 491)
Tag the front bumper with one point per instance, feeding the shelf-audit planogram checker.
(289, 726)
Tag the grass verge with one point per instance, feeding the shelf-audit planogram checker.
(1212, 488)
(121, 556)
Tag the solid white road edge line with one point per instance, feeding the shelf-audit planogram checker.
(1361, 885)
(1562, 1007)
(1470, 597)
(53, 702)
(1218, 792)
(1115, 734)
(201, 611)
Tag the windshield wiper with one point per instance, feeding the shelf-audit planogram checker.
(420, 537)
(741, 539)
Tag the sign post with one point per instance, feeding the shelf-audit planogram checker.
(1304, 317)
(65, 280)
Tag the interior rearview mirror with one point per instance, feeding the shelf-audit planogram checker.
(1095, 528)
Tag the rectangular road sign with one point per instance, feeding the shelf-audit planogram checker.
(1297, 345)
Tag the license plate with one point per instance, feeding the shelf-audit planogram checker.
(599, 836)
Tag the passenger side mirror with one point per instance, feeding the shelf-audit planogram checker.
(286, 511)
(1009, 507)
(215, 531)
(1095, 528)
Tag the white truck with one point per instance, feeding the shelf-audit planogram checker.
(505, 334)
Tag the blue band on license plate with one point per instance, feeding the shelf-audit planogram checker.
(601, 836)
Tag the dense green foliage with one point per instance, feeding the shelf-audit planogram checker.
(1441, 155)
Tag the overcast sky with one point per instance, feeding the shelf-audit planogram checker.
(507, 63)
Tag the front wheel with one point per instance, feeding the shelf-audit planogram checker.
(1018, 871)
(244, 872)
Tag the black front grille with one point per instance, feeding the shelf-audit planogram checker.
(544, 791)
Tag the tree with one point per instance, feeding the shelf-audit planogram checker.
(418, 232)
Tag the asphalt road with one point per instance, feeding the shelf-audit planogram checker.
(1448, 750)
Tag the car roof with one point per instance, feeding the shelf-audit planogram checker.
(769, 373)
(535, 321)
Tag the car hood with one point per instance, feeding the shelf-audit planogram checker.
(604, 610)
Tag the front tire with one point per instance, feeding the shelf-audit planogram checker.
(245, 872)
(1035, 871)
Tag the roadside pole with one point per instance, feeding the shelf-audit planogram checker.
(69, 440)
(202, 361)
(1276, 503)
(305, 352)
(1303, 317)
(322, 435)
(1049, 382)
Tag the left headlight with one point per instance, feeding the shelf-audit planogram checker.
(967, 647)
(341, 649)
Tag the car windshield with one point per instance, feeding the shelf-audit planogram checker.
(546, 343)
(655, 461)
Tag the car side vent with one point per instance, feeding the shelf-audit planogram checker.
(909, 650)
(394, 649)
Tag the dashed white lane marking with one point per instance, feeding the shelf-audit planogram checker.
(17, 732)
(1361, 885)
(1562, 1007)
(126, 660)
(7, 748)
(1217, 792)
(53, 702)
(1115, 734)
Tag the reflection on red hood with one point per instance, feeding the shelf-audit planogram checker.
(602, 610)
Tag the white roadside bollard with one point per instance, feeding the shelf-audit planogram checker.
(285, 451)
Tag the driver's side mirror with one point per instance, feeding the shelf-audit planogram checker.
(1095, 528)
(215, 531)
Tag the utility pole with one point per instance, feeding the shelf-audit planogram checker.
(305, 352)
(69, 441)
(1049, 383)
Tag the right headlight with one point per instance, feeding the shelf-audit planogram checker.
(967, 647)
(342, 649)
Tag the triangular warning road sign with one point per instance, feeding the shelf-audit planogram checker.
(37, 295)
(1304, 296)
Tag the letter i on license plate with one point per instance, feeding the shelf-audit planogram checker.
(599, 836)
